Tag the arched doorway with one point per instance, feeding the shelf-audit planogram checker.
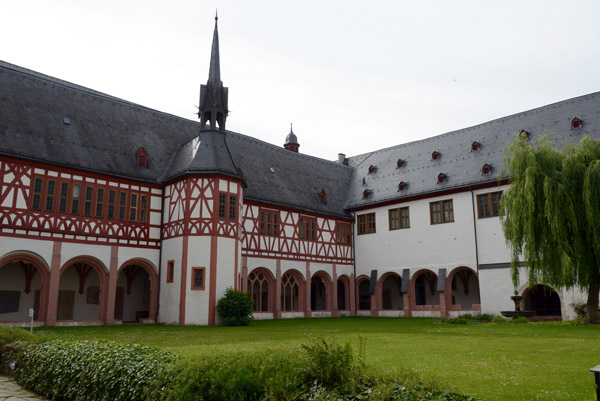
(364, 294)
(425, 288)
(81, 290)
(343, 301)
(23, 285)
(391, 294)
(465, 289)
(290, 292)
(260, 284)
(318, 292)
(544, 301)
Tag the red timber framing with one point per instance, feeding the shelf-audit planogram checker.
(294, 238)
(38, 201)
(192, 209)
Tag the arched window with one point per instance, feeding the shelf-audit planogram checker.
(142, 158)
(575, 123)
(258, 287)
(290, 293)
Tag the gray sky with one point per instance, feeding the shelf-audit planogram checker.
(353, 76)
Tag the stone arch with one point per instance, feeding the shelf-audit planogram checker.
(462, 290)
(292, 291)
(424, 287)
(81, 307)
(320, 290)
(146, 309)
(343, 293)
(363, 284)
(30, 263)
(544, 300)
(389, 291)
(261, 288)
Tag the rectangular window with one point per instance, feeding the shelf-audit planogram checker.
(198, 278)
(366, 223)
(170, 270)
(269, 223)
(122, 205)
(64, 197)
(36, 200)
(99, 202)
(441, 212)
(75, 198)
(232, 207)
(308, 228)
(343, 233)
(488, 205)
(222, 205)
(399, 218)
(133, 207)
(111, 204)
(87, 202)
(50, 192)
(144, 209)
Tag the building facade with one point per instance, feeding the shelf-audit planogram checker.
(111, 212)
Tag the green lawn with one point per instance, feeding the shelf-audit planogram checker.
(541, 361)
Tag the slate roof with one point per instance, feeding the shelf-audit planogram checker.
(460, 165)
(53, 121)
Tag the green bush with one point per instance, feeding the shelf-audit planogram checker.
(9, 335)
(484, 317)
(499, 319)
(235, 308)
(90, 371)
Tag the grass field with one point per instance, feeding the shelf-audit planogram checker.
(541, 361)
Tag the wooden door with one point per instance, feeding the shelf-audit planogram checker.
(66, 304)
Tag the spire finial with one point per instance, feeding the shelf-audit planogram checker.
(292, 128)
(216, 14)
(214, 75)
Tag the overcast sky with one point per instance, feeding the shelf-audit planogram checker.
(353, 76)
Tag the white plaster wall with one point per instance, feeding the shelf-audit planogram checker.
(225, 268)
(12, 278)
(70, 281)
(41, 248)
(491, 244)
(169, 292)
(196, 308)
(300, 266)
(269, 264)
(72, 250)
(423, 245)
(325, 267)
(128, 253)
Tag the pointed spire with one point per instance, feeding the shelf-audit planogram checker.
(291, 141)
(214, 76)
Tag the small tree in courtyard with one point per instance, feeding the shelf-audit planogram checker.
(235, 308)
(552, 214)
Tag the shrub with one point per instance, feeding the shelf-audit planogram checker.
(499, 319)
(9, 335)
(84, 370)
(484, 317)
(235, 308)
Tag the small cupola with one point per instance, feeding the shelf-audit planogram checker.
(576, 123)
(291, 141)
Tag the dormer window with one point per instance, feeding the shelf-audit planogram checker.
(486, 169)
(441, 178)
(142, 158)
(402, 186)
(435, 155)
(323, 197)
(400, 163)
(474, 146)
(366, 193)
(372, 169)
(576, 123)
(523, 135)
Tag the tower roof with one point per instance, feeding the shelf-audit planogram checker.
(291, 137)
(214, 75)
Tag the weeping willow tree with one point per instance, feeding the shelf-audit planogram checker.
(551, 215)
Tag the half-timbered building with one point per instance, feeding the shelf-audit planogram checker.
(112, 212)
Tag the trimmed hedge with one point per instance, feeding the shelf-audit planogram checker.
(91, 371)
